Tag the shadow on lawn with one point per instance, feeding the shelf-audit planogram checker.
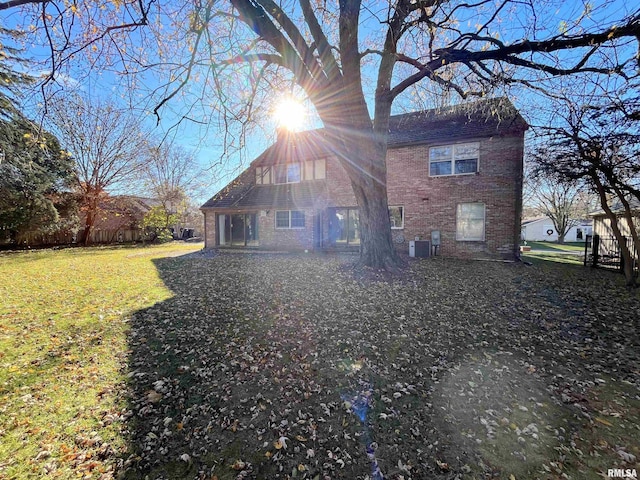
(214, 382)
(258, 369)
(230, 380)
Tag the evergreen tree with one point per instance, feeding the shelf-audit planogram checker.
(34, 174)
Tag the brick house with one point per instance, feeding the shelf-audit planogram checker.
(456, 170)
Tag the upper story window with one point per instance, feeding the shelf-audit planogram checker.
(458, 159)
(287, 173)
(315, 169)
(292, 172)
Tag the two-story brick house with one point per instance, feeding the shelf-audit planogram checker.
(456, 170)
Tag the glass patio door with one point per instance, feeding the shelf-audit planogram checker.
(240, 229)
(344, 226)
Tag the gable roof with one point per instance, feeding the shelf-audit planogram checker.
(481, 119)
(546, 220)
(120, 211)
(485, 118)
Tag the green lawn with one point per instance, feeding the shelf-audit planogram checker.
(138, 363)
(63, 343)
(570, 253)
(557, 247)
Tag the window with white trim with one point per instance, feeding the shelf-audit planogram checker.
(308, 170)
(320, 169)
(470, 222)
(289, 219)
(458, 159)
(287, 173)
(396, 217)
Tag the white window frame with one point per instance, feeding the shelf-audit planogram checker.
(452, 157)
(308, 170)
(401, 207)
(289, 215)
(287, 178)
(459, 236)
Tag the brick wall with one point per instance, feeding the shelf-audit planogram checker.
(339, 188)
(269, 236)
(209, 229)
(283, 238)
(430, 202)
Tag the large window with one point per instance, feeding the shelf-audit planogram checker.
(396, 217)
(238, 229)
(289, 219)
(458, 159)
(292, 172)
(344, 226)
(287, 173)
(470, 222)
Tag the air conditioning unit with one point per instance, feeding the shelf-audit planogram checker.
(420, 248)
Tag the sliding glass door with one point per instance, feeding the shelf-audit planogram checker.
(344, 226)
(239, 229)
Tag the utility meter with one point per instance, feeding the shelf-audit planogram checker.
(435, 238)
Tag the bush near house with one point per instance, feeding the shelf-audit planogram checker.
(156, 224)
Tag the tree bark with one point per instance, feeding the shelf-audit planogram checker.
(88, 226)
(377, 248)
(362, 153)
(90, 220)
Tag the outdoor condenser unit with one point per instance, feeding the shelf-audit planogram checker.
(419, 248)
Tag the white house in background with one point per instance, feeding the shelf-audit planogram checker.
(541, 229)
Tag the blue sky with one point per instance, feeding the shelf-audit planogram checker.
(204, 135)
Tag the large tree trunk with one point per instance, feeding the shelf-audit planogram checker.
(88, 226)
(91, 205)
(364, 159)
(377, 248)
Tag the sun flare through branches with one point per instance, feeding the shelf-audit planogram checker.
(290, 114)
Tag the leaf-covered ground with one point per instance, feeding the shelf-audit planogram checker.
(289, 366)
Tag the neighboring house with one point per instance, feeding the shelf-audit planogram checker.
(541, 229)
(607, 249)
(119, 219)
(457, 171)
(602, 224)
